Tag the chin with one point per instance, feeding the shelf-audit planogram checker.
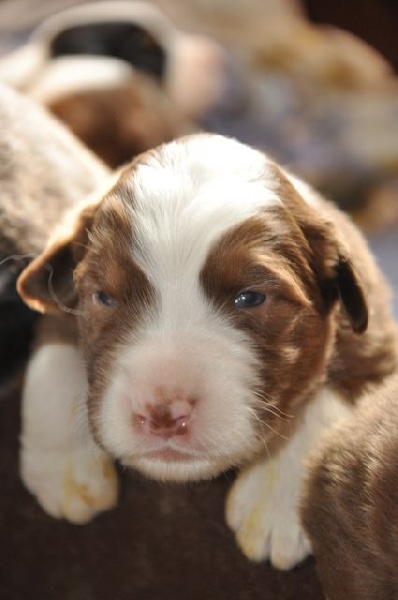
(177, 468)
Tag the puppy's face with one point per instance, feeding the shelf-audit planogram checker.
(205, 289)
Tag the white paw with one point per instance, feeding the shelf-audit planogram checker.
(73, 485)
(262, 510)
(263, 504)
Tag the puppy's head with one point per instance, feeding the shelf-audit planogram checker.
(206, 289)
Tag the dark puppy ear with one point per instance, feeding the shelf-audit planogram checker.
(331, 260)
(338, 277)
(46, 285)
(351, 295)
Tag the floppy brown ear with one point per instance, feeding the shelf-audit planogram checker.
(332, 262)
(46, 284)
(336, 270)
(351, 295)
(337, 274)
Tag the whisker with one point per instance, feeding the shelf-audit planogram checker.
(264, 423)
(16, 257)
(61, 306)
(275, 432)
(272, 408)
(263, 440)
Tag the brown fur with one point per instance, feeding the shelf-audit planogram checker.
(350, 509)
(372, 356)
(292, 330)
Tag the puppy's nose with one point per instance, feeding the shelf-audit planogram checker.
(162, 422)
(166, 420)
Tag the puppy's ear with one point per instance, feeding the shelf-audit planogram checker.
(46, 284)
(335, 267)
(351, 294)
(333, 262)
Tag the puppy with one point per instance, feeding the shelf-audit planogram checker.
(350, 508)
(43, 170)
(223, 316)
(119, 74)
(136, 36)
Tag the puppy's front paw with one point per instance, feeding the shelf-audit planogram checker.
(262, 510)
(74, 484)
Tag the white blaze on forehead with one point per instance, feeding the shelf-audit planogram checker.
(187, 195)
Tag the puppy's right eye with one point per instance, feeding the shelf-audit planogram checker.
(103, 298)
(249, 299)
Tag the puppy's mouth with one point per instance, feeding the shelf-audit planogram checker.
(169, 454)
(170, 464)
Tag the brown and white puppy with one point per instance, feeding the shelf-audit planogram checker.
(137, 36)
(223, 316)
(350, 511)
(43, 170)
(119, 74)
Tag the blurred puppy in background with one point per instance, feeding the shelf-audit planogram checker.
(120, 74)
(44, 170)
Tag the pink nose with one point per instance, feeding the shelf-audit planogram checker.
(166, 420)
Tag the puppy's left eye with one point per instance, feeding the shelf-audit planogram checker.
(249, 299)
(102, 298)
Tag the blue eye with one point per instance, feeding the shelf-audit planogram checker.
(104, 299)
(249, 299)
